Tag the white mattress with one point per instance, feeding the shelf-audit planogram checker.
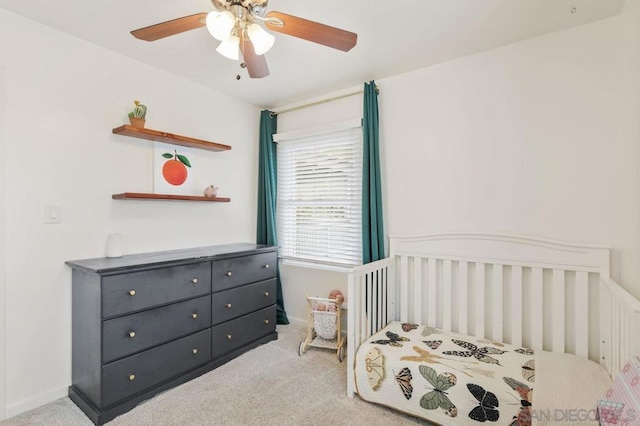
(452, 379)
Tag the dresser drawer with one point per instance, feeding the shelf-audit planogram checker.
(236, 302)
(228, 273)
(240, 331)
(128, 376)
(125, 335)
(139, 290)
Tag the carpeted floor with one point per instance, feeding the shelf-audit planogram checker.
(270, 385)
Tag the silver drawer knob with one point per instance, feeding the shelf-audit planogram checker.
(229, 274)
(195, 351)
(228, 306)
(132, 377)
(228, 337)
(266, 294)
(195, 281)
(266, 321)
(266, 266)
(132, 334)
(194, 315)
(132, 293)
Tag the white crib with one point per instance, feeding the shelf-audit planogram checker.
(524, 291)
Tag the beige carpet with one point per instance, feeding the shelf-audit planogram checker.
(270, 385)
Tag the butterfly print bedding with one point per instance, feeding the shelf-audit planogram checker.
(433, 344)
(487, 404)
(481, 354)
(480, 371)
(490, 342)
(523, 418)
(407, 327)
(438, 397)
(529, 370)
(392, 340)
(403, 379)
(445, 378)
(374, 364)
(428, 331)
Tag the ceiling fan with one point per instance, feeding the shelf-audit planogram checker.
(235, 24)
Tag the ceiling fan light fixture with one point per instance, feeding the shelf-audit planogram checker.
(262, 40)
(230, 48)
(220, 24)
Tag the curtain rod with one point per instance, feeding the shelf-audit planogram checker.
(321, 101)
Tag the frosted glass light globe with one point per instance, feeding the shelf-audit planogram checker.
(230, 48)
(220, 24)
(262, 40)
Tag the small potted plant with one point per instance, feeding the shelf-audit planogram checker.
(137, 116)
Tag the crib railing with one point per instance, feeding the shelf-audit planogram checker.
(619, 326)
(541, 306)
(533, 293)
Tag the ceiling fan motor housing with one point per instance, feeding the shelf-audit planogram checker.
(256, 7)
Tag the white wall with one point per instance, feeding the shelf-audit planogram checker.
(630, 131)
(3, 240)
(538, 138)
(64, 96)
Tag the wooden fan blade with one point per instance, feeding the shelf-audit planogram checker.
(169, 28)
(313, 31)
(256, 64)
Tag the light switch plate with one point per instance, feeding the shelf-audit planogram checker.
(52, 213)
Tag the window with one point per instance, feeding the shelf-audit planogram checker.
(320, 194)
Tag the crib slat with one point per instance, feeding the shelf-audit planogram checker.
(385, 303)
(390, 273)
(498, 296)
(378, 290)
(614, 340)
(371, 305)
(625, 353)
(363, 308)
(557, 308)
(364, 334)
(354, 314)
(516, 305)
(537, 289)
(480, 298)
(604, 327)
(417, 291)
(447, 285)
(582, 314)
(432, 300)
(404, 289)
(463, 285)
(618, 345)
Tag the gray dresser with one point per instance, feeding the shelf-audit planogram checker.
(147, 322)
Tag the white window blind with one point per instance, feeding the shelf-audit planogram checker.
(319, 196)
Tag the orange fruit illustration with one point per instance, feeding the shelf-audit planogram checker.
(174, 170)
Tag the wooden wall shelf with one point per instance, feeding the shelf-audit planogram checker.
(155, 135)
(143, 196)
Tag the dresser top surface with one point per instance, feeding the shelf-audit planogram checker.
(105, 265)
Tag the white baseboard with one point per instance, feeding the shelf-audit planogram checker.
(35, 402)
(297, 321)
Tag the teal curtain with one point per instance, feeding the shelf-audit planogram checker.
(267, 187)
(372, 221)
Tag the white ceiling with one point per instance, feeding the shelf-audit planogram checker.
(393, 37)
